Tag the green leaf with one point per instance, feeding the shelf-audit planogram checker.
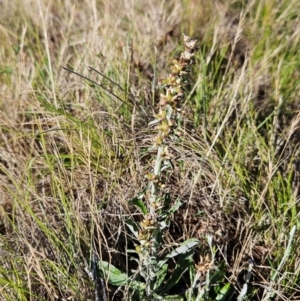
(175, 207)
(219, 274)
(16, 49)
(6, 70)
(137, 202)
(167, 211)
(137, 285)
(185, 247)
(117, 278)
(223, 292)
(169, 111)
(114, 275)
(157, 297)
(160, 275)
(182, 266)
(133, 227)
(174, 298)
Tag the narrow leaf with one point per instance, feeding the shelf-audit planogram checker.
(223, 292)
(160, 276)
(174, 298)
(137, 202)
(180, 269)
(185, 247)
(133, 227)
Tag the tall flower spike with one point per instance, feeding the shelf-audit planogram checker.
(169, 106)
(166, 124)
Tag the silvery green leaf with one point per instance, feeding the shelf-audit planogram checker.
(163, 225)
(117, 278)
(133, 227)
(114, 275)
(134, 259)
(165, 166)
(175, 207)
(160, 276)
(209, 239)
(131, 251)
(153, 122)
(174, 298)
(169, 111)
(158, 297)
(185, 247)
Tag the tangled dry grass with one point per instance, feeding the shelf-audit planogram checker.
(73, 155)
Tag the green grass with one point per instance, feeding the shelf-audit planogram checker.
(73, 156)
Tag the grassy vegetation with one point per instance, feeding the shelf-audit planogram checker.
(89, 210)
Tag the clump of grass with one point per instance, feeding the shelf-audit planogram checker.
(72, 155)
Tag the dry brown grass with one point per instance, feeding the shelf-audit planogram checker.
(72, 155)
